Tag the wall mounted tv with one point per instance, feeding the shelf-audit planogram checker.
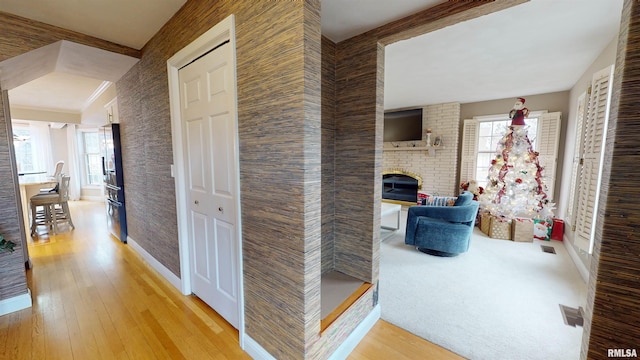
(405, 125)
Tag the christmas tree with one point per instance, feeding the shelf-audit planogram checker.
(516, 186)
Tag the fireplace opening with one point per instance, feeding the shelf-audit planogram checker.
(401, 186)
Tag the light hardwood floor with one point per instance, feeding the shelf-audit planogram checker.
(94, 298)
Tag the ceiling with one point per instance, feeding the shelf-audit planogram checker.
(125, 22)
(61, 78)
(537, 47)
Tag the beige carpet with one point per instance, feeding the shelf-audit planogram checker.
(500, 300)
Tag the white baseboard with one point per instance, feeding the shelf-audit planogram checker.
(15, 303)
(582, 269)
(155, 264)
(256, 351)
(350, 343)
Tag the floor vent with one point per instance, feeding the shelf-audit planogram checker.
(572, 316)
(548, 249)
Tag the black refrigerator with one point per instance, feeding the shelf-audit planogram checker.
(113, 181)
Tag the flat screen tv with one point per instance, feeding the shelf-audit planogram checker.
(405, 125)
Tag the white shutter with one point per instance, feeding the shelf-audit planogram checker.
(468, 156)
(548, 138)
(593, 143)
(586, 204)
(572, 202)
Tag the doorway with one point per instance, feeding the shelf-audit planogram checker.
(555, 313)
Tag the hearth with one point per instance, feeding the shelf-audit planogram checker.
(401, 185)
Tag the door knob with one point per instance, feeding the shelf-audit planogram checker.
(196, 202)
(220, 209)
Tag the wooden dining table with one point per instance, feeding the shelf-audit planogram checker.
(30, 184)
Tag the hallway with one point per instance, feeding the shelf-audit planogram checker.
(94, 298)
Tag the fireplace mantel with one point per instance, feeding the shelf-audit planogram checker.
(437, 166)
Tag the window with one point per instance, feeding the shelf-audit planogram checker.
(92, 158)
(32, 145)
(481, 136)
(489, 135)
(24, 153)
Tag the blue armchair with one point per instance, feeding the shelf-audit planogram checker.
(442, 230)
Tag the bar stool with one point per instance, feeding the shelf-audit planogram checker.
(56, 176)
(55, 208)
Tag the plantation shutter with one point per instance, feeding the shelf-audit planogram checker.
(468, 157)
(575, 166)
(548, 138)
(591, 163)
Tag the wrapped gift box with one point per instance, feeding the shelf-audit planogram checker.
(485, 222)
(522, 230)
(542, 229)
(422, 198)
(557, 230)
(500, 228)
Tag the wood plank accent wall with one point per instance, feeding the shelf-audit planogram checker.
(279, 234)
(358, 143)
(13, 278)
(279, 123)
(19, 35)
(613, 303)
(438, 17)
(328, 152)
(143, 110)
(312, 174)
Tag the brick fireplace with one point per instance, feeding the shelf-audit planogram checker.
(401, 185)
(439, 170)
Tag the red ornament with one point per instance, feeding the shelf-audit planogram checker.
(519, 181)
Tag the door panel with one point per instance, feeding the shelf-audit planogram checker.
(209, 129)
(225, 258)
(201, 264)
(221, 134)
(196, 155)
